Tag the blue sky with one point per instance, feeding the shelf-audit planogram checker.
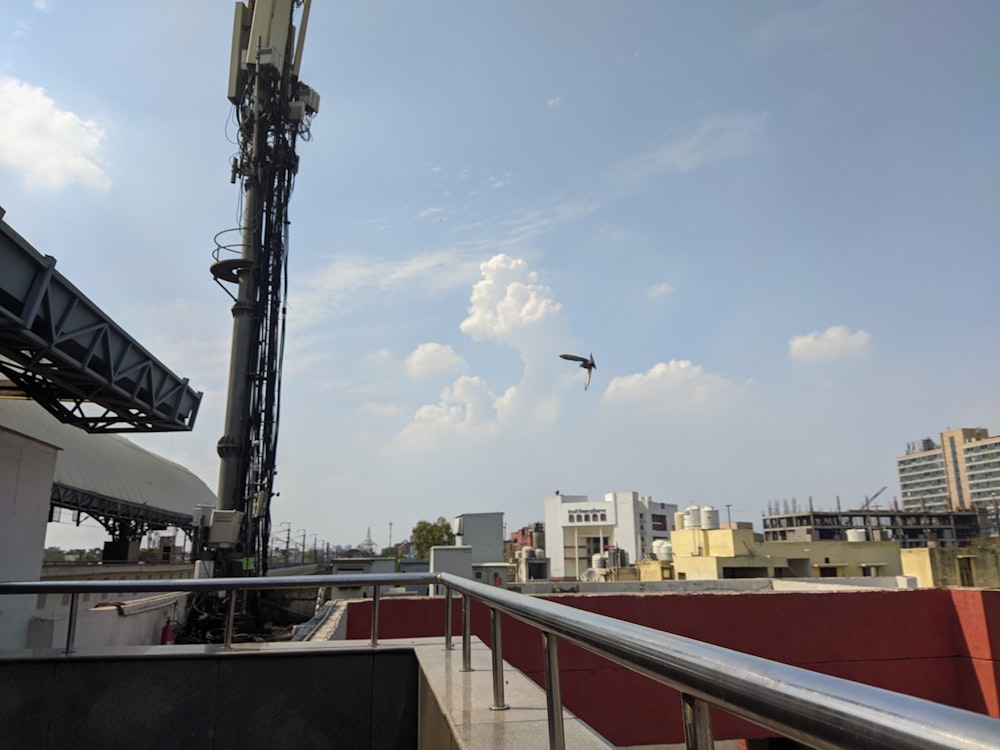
(775, 225)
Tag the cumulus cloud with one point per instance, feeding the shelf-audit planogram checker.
(431, 358)
(555, 101)
(712, 140)
(660, 289)
(507, 301)
(50, 148)
(466, 409)
(836, 342)
(510, 307)
(677, 385)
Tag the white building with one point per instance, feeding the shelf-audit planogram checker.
(577, 528)
(483, 532)
(478, 540)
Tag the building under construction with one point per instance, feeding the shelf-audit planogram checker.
(909, 528)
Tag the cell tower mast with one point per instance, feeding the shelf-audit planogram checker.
(273, 110)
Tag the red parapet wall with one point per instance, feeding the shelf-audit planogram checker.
(936, 644)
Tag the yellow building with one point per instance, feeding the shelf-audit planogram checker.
(976, 565)
(709, 554)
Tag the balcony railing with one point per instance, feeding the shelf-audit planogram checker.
(814, 709)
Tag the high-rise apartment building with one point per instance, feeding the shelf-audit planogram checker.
(960, 473)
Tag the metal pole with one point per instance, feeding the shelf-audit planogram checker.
(496, 637)
(375, 617)
(697, 723)
(71, 625)
(553, 691)
(448, 645)
(234, 445)
(466, 634)
(228, 639)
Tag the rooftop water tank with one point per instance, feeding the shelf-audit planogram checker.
(678, 520)
(666, 552)
(528, 553)
(692, 517)
(709, 517)
(597, 561)
(856, 535)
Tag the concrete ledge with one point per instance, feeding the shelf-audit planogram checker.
(454, 711)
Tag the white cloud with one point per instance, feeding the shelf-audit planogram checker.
(507, 301)
(466, 409)
(677, 385)
(431, 358)
(43, 5)
(712, 140)
(50, 148)
(347, 282)
(660, 289)
(555, 101)
(495, 182)
(429, 212)
(835, 342)
(377, 409)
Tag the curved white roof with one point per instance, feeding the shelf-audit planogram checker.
(108, 465)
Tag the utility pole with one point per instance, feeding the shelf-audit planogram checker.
(273, 108)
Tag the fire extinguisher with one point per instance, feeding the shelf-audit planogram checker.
(167, 636)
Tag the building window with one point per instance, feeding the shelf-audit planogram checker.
(604, 516)
(586, 518)
(572, 518)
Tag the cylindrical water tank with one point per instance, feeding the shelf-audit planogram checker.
(666, 552)
(709, 517)
(655, 548)
(856, 535)
(597, 561)
(692, 517)
(538, 540)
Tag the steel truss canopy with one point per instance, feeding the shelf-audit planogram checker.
(59, 349)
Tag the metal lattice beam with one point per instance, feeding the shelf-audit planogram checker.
(65, 353)
(108, 508)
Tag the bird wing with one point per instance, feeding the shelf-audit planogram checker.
(587, 384)
(573, 358)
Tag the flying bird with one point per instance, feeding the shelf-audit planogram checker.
(587, 363)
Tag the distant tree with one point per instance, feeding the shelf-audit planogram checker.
(426, 535)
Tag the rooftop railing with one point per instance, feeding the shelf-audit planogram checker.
(814, 709)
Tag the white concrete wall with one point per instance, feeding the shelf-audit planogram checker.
(627, 531)
(138, 622)
(455, 560)
(483, 532)
(27, 467)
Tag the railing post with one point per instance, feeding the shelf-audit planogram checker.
(227, 640)
(553, 691)
(71, 625)
(374, 642)
(697, 723)
(448, 646)
(497, 638)
(466, 634)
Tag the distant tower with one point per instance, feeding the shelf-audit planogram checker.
(368, 546)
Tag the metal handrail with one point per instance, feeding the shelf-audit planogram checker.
(811, 708)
